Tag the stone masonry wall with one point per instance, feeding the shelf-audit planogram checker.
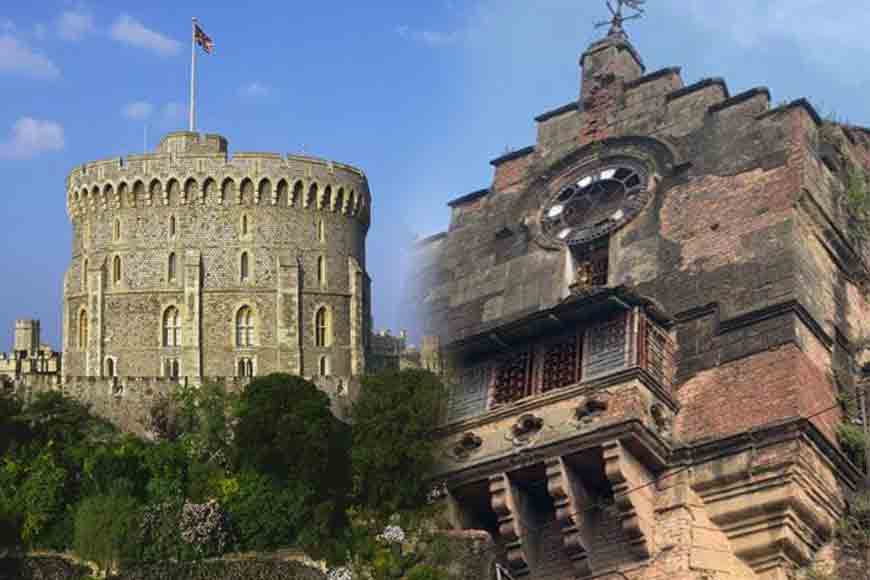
(192, 204)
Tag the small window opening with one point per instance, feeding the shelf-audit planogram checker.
(172, 267)
(243, 267)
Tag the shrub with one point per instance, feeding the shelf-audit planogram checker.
(204, 528)
(286, 429)
(41, 496)
(106, 529)
(393, 449)
(264, 513)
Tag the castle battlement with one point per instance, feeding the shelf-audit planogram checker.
(194, 169)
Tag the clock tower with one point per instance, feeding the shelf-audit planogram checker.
(640, 320)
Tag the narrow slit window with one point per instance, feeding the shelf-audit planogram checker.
(244, 267)
(321, 271)
(171, 267)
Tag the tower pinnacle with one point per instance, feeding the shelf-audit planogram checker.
(619, 18)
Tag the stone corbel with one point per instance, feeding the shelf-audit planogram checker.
(569, 500)
(633, 494)
(510, 527)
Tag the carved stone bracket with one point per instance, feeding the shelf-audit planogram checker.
(468, 444)
(510, 527)
(633, 494)
(591, 408)
(569, 500)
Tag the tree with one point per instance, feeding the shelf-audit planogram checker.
(106, 529)
(286, 429)
(265, 513)
(393, 448)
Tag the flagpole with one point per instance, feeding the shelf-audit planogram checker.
(193, 77)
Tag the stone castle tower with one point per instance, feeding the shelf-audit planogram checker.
(642, 320)
(189, 263)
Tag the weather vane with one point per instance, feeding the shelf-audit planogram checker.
(618, 17)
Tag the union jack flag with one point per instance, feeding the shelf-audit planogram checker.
(203, 39)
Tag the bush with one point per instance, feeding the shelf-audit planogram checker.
(106, 529)
(42, 497)
(264, 513)
(286, 429)
(852, 440)
(393, 448)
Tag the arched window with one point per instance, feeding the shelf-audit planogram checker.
(171, 267)
(172, 226)
(171, 327)
(243, 267)
(321, 271)
(116, 270)
(245, 368)
(110, 367)
(83, 329)
(321, 231)
(324, 366)
(171, 368)
(244, 224)
(322, 330)
(245, 327)
(116, 230)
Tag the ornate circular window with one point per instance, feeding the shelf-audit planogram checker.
(597, 202)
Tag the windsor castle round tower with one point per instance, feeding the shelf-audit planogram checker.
(188, 263)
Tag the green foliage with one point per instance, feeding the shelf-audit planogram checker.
(41, 496)
(159, 531)
(106, 529)
(268, 469)
(853, 442)
(286, 429)
(12, 429)
(393, 450)
(265, 513)
(426, 572)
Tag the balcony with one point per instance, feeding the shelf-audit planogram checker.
(589, 346)
(551, 420)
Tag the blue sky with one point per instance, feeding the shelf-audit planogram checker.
(421, 95)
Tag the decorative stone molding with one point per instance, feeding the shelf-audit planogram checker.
(662, 418)
(568, 499)
(526, 426)
(633, 494)
(510, 528)
(467, 445)
(591, 408)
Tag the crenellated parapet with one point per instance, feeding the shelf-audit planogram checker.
(193, 262)
(199, 171)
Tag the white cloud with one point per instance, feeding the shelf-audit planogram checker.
(833, 36)
(255, 90)
(75, 24)
(138, 110)
(130, 31)
(431, 38)
(17, 57)
(30, 137)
